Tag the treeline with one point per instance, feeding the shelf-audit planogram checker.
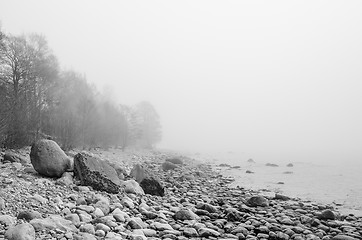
(39, 100)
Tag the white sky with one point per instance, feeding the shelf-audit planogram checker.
(278, 80)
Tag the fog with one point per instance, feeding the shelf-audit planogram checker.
(278, 80)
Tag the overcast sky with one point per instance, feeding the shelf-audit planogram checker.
(278, 80)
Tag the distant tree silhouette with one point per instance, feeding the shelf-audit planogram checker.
(38, 100)
(150, 126)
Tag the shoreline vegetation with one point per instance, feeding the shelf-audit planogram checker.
(39, 99)
(198, 203)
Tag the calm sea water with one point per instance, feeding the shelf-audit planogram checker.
(339, 184)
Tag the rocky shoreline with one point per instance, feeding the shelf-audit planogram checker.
(197, 204)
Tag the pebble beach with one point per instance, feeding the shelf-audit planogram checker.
(199, 203)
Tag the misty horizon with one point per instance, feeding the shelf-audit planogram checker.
(276, 81)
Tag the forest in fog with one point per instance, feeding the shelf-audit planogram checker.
(40, 100)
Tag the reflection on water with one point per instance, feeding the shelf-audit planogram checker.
(340, 184)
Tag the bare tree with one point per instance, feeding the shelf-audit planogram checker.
(27, 66)
(15, 67)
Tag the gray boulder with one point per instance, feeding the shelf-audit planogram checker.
(138, 173)
(48, 158)
(94, 172)
(24, 231)
(152, 186)
(327, 215)
(256, 201)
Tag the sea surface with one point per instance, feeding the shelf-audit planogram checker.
(339, 184)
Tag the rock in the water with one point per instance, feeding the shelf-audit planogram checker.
(131, 186)
(24, 231)
(251, 160)
(152, 186)
(175, 160)
(92, 171)
(49, 159)
(138, 173)
(257, 201)
(290, 165)
(224, 165)
(168, 166)
(248, 171)
(271, 165)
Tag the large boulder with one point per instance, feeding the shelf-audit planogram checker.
(48, 158)
(152, 186)
(138, 173)
(94, 172)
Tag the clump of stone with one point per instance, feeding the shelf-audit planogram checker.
(197, 203)
(49, 159)
(92, 171)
